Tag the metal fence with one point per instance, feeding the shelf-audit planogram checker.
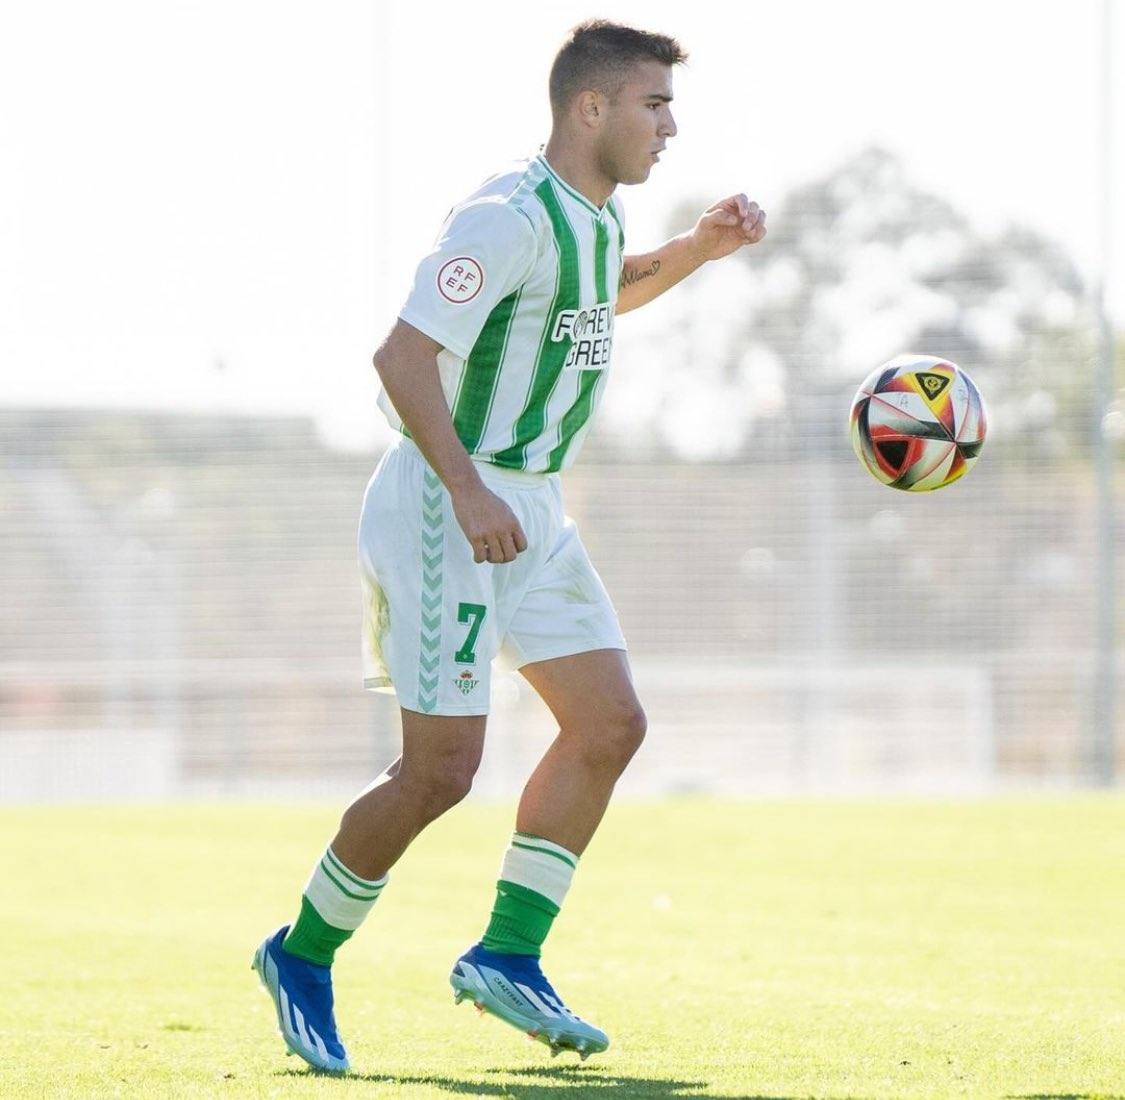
(181, 618)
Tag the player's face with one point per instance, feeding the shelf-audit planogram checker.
(639, 123)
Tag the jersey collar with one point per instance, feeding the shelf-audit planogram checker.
(576, 195)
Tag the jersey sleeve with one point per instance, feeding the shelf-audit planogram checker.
(484, 252)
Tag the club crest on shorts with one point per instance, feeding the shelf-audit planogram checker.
(466, 682)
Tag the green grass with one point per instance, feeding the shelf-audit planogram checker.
(774, 949)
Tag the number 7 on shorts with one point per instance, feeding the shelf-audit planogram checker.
(475, 613)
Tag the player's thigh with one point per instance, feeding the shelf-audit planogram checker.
(566, 611)
(591, 695)
(429, 610)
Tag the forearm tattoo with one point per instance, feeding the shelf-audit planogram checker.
(631, 275)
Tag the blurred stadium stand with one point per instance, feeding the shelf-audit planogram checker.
(181, 618)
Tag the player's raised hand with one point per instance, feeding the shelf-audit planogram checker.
(489, 524)
(728, 225)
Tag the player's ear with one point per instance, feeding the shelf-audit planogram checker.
(591, 107)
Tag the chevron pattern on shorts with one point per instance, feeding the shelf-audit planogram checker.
(433, 537)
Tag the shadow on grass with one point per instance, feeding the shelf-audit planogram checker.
(569, 1082)
(546, 1083)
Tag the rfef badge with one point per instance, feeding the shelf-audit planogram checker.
(460, 280)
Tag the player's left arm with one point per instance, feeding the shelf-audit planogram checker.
(723, 228)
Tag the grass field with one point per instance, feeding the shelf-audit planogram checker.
(770, 949)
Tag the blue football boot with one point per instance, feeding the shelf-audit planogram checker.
(302, 995)
(513, 988)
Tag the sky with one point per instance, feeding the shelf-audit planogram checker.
(219, 206)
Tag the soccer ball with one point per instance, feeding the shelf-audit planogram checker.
(918, 423)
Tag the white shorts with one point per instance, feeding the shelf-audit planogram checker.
(434, 619)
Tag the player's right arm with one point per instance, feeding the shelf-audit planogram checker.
(407, 365)
(485, 250)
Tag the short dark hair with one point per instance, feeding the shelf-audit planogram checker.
(598, 54)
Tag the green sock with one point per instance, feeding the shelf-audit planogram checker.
(534, 879)
(333, 906)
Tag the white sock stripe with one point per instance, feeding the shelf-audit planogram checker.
(546, 846)
(537, 871)
(531, 995)
(349, 876)
(333, 905)
(345, 885)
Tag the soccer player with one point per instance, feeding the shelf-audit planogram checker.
(492, 373)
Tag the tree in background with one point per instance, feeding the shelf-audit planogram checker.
(859, 266)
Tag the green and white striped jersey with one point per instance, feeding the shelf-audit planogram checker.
(520, 291)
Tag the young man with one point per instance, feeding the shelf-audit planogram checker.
(492, 373)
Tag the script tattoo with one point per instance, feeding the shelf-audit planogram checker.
(631, 275)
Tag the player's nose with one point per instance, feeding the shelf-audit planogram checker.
(668, 130)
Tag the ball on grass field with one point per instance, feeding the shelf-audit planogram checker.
(918, 423)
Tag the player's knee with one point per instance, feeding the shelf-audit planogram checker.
(441, 790)
(453, 789)
(632, 729)
(619, 737)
